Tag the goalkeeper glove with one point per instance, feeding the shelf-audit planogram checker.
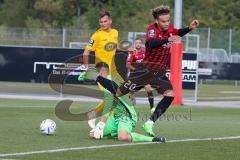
(82, 76)
(98, 130)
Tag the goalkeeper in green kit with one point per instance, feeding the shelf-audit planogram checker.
(121, 118)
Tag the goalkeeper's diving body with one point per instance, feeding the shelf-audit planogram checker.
(122, 118)
(159, 38)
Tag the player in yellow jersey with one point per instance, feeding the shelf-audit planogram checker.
(104, 44)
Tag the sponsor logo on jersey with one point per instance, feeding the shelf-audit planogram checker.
(110, 46)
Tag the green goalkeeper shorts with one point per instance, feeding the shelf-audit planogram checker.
(114, 125)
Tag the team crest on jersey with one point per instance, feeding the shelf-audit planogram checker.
(151, 33)
(91, 42)
(110, 46)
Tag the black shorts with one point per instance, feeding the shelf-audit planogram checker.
(135, 74)
(139, 79)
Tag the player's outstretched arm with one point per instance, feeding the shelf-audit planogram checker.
(82, 75)
(98, 130)
(86, 57)
(153, 42)
(194, 24)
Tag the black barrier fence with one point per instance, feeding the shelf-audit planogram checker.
(31, 64)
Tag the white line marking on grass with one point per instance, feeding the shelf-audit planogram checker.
(219, 98)
(20, 106)
(204, 139)
(230, 92)
(48, 97)
(115, 145)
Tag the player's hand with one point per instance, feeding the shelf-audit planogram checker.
(194, 24)
(98, 130)
(173, 38)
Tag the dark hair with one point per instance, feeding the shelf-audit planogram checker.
(104, 13)
(160, 10)
(102, 64)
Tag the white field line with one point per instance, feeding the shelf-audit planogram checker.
(48, 97)
(219, 98)
(20, 106)
(116, 145)
(230, 92)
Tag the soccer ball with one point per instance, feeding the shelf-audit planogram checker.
(48, 127)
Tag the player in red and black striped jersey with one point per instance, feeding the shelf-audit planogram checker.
(159, 38)
(135, 58)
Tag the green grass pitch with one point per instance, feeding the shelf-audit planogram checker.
(20, 120)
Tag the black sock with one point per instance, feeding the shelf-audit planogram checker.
(161, 107)
(150, 99)
(107, 84)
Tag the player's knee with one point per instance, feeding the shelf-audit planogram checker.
(168, 93)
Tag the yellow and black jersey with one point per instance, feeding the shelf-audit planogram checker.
(104, 44)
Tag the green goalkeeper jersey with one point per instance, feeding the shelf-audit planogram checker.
(121, 107)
